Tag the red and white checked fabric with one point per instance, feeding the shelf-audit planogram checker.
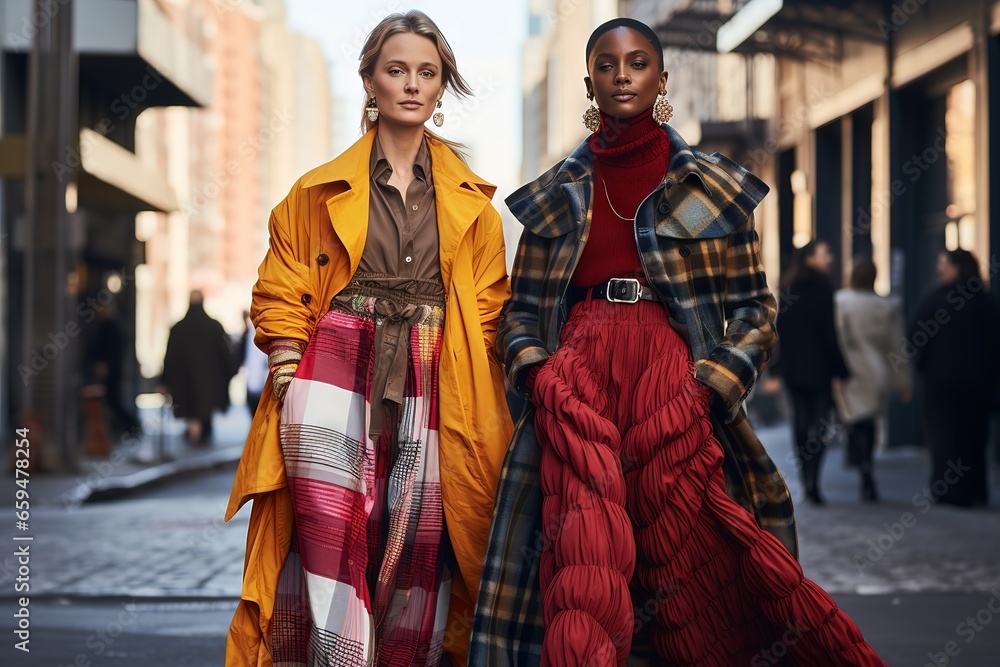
(368, 579)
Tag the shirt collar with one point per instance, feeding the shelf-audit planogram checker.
(380, 169)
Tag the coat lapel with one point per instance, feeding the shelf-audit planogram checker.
(348, 206)
(460, 197)
(708, 195)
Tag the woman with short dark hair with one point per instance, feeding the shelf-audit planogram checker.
(809, 359)
(639, 319)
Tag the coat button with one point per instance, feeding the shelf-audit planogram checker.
(306, 299)
(663, 208)
(685, 251)
(323, 259)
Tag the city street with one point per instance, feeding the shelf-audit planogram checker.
(152, 579)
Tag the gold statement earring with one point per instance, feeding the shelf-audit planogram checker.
(662, 110)
(592, 117)
(372, 110)
(438, 116)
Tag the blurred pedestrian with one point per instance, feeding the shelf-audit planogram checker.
(374, 457)
(254, 364)
(107, 357)
(870, 332)
(809, 359)
(953, 343)
(197, 369)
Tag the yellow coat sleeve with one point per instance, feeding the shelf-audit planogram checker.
(490, 274)
(277, 309)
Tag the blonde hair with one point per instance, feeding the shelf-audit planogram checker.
(418, 23)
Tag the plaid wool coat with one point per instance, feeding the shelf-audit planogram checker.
(700, 252)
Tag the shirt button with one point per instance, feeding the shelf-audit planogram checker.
(415, 207)
(663, 208)
(306, 299)
(685, 251)
(408, 259)
(322, 259)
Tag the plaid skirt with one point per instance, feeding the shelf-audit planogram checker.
(368, 577)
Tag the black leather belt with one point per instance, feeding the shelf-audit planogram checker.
(624, 290)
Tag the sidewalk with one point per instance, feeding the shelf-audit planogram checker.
(902, 544)
(135, 464)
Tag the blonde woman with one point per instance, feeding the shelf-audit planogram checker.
(374, 456)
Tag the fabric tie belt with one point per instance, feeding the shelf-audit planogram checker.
(396, 308)
(392, 347)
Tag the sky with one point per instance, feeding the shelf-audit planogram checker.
(487, 43)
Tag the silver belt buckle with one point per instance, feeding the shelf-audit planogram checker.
(613, 286)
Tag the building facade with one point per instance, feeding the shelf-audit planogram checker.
(874, 135)
(72, 185)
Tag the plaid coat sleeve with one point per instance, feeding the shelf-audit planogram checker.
(732, 367)
(518, 344)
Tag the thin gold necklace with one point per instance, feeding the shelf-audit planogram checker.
(608, 197)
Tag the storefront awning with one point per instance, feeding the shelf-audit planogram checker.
(804, 29)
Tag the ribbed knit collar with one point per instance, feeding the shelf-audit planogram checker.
(630, 142)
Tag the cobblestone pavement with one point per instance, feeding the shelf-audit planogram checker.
(902, 544)
(172, 543)
(915, 589)
(169, 543)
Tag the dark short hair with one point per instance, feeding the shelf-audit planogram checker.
(965, 262)
(625, 22)
(863, 273)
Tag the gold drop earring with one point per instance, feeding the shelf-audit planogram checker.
(438, 115)
(662, 110)
(592, 117)
(372, 110)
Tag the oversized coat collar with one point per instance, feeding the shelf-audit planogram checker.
(709, 195)
(460, 196)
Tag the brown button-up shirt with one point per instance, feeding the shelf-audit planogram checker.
(402, 234)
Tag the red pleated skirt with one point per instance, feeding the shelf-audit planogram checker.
(650, 561)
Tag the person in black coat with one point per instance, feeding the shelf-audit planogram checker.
(953, 344)
(106, 356)
(197, 369)
(808, 357)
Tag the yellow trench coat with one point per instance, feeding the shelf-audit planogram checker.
(326, 213)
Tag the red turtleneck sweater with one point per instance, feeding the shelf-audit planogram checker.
(631, 157)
